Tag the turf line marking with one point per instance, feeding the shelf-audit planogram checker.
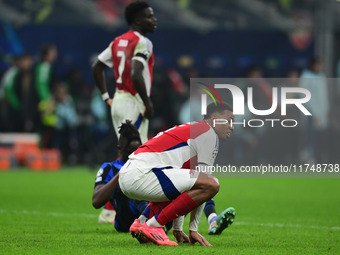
(84, 215)
(54, 214)
(278, 225)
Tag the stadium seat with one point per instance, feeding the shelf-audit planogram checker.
(7, 160)
(51, 159)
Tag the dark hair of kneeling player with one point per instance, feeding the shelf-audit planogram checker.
(129, 140)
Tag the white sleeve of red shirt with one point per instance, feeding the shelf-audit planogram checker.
(106, 56)
(143, 50)
(206, 147)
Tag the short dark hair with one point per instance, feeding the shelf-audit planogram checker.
(218, 108)
(132, 10)
(128, 132)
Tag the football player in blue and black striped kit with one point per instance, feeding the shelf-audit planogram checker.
(106, 183)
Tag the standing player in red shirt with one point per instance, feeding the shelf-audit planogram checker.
(131, 57)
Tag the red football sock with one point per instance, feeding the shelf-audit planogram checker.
(182, 205)
(109, 206)
(155, 207)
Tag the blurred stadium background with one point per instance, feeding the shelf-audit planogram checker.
(193, 39)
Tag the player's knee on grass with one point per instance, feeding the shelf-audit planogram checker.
(207, 185)
(213, 186)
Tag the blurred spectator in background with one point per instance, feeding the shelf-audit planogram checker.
(76, 85)
(21, 95)
(191, 108)
(44, 83)
(290, 142)
(256, 140)
(81, 93)
(44, 77)
(8, 80)
(65, 137)
(162, 96)
(101, 146)
(169, 89)
(48, 120)
(314, 80)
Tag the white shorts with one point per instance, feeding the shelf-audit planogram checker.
(156, 185)
(128, 107)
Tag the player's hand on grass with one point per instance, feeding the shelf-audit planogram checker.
(148, 113)
(109, 102)
(194, 237)
(181, 237)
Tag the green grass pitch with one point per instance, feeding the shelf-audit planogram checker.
(51, 213)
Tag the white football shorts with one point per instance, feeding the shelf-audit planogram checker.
(128, 107)
(156, 185)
